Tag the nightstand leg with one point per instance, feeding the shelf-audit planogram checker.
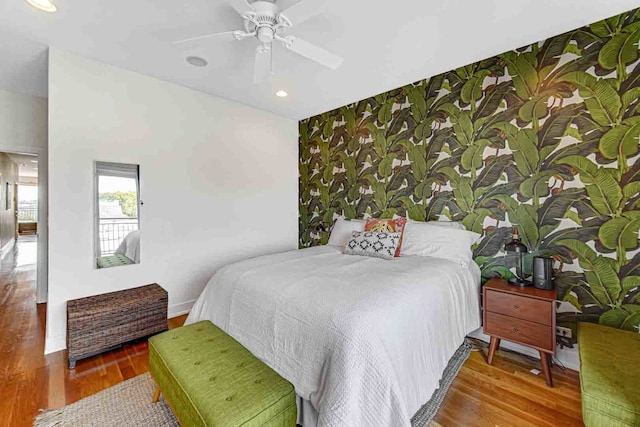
(493, 346)
(546, 367)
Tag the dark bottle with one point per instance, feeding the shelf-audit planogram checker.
(517, 248)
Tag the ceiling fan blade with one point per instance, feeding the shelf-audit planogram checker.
(262, 69)
(313, 52)
(241, 6)
(194, 42)
(303, 10)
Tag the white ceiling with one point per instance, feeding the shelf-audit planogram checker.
(385, 44)
(27, 164)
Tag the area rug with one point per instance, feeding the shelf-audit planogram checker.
(129, 403)
(125, 404)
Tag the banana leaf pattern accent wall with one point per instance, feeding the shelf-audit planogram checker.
(545, 137)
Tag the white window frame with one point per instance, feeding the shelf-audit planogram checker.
(123, 170)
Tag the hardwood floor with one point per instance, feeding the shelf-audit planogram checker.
(508, 394)
(505, 394)
(31, 381)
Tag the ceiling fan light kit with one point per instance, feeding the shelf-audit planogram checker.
(267, 23)
(44, 5)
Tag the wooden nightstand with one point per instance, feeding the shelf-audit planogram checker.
(525, 316)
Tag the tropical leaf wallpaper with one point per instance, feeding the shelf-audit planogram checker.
(544, 137)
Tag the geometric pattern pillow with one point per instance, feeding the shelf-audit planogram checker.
(395, 225)
(373, 243)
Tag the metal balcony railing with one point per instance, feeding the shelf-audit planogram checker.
(112, 231)
(27, 214)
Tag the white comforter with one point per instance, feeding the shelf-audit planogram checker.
(130, 246)
(365, 340)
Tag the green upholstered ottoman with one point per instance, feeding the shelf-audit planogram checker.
(609, 376)
(209, 379)
(114, 260)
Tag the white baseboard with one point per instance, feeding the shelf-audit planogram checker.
(59, 343)
(180, 309)
(567, 356)
(54, 344)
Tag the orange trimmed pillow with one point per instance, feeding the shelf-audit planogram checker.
(388, 226)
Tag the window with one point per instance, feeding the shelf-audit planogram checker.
(27, 203)
(117, 204)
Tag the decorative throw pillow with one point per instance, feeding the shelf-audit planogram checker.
(373, 244)
(395, 225)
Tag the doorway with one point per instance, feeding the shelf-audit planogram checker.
(27, 209)
(19, 196)
(24, 130)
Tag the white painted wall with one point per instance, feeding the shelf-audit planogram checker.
(218, 181)
(23, 129)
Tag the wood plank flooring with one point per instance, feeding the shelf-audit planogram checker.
(508, 394)
(505, 394)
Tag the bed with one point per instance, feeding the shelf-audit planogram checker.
(130, 247)
(363, 340)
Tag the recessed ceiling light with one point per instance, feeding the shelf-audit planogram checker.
(281, 94)
(34, 161)
(197, 61)
(45, 5)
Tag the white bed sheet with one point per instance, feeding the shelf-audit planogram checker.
(364, 340)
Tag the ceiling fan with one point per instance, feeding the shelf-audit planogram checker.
(266, 22)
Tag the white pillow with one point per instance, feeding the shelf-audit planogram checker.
(342, 229)
(426, 239)
(449, 224)
(444, 223)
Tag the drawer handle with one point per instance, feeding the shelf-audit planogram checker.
(516, 330)
(516, 306)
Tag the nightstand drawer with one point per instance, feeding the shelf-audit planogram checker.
(520, 331)
(521, 307)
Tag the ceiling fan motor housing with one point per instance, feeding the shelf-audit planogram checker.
(267, 22)
(263, 21)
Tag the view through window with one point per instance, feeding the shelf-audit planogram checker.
(27, 203)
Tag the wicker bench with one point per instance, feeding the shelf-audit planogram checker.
(99, 323)
(209, 379)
